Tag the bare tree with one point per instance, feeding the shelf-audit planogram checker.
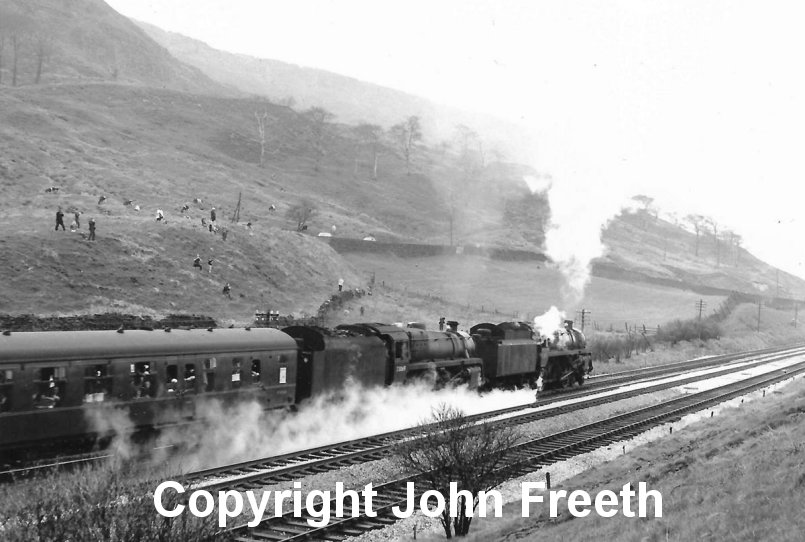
(14, 27)
(454, 449)
(2, 47)
(736, 242)
(470, 161)
(369, 135)
(407, 134)
(16, 44)
(318, 118)
(301, 213)
(714, 226)
(44, 48)
(697, 221)
(647, 203)
(261, 132)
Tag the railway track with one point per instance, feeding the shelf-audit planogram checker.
(359, 450)
(251, 475)
(524, 458)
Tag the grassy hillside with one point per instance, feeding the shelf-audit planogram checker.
(525, 288)
(160, 149)
(732, 477)
(138, 138)
(658, 248)
(84, 40)
(353, 101)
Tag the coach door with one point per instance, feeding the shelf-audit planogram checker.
(304, 373)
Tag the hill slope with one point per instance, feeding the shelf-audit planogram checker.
(353, 101)
(136, 143)
(86, 40)
(657, 249)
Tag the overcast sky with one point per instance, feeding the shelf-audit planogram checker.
(698, 104)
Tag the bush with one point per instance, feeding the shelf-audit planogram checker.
(688, 330)
(91, 504)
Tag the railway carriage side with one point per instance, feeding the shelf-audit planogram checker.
(57, 387)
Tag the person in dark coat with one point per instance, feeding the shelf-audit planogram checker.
(197, 262)
(59, 220)
(227, 290)
(91, 229)
(78, 219)
(212, 215)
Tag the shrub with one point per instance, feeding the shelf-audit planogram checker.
(90, 504)
(687, 330)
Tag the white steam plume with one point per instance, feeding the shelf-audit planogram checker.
(550, 322)
(244, 431)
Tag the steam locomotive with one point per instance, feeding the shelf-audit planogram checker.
(61, 386)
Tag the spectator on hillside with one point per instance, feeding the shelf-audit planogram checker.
(209, 264)
(59, 220)
(160, 215)
(224, 233)
(77, 215)
(212, 214)
(73, 226)
(101, 199)
(185, 207)
(197, 262)
(91, 229)
(227, 290)
(340, 284)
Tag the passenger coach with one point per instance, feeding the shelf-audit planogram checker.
(52, 383)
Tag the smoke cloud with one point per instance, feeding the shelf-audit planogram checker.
(244, 431)
(551, 321)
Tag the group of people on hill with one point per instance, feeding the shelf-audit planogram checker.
(160, 217)
(75, 225)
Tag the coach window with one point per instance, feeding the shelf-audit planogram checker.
(6, 384)
(142, 381)
(255, 371)
(236, 372)
(50, 386)
(97, 383)
(209, 374)
(171, 379)
(190, 377)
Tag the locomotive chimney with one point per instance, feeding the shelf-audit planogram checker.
(452, 325)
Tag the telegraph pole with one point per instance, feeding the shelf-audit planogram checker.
(583, 313)
(236, 214)
(700, 305)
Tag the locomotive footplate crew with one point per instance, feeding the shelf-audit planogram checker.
(50, 380)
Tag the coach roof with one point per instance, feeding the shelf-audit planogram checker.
(85, 345)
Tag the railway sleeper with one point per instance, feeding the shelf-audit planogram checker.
(262, 534)
(294, 526)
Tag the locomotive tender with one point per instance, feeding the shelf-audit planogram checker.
(62, 386)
